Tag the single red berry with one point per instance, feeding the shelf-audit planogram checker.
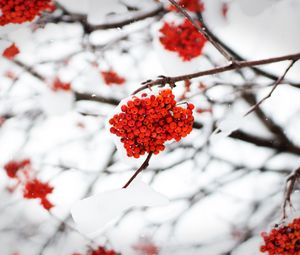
(11, 52)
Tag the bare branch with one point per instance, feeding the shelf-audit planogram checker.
(142, 167)
(233, 66)
(289, 188)
(279, 80)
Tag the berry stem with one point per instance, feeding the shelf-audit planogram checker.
(141, 168)
(289, 188)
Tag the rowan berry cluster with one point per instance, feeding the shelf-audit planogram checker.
(111, 77)
(146, 123)
(283, 240)
(58, 85)
(13, 167)
(184, 39)
(37, 189)
(100, 251)
(11, 52)
(190, 5)
(146, 248)
(20, 11)
(21, 172)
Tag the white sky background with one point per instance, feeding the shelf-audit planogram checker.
(56, 139)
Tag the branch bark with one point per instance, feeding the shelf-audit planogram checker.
(232, 66)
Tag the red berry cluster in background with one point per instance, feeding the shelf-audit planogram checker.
(146, 123)
(283, 240)
(21, 172)
(146, 248)
(100, 251)
(36, 189)
(13, 167)
(111, 77)
(190, 5)
(11, 51)
(184, 39)
(58, 85)
(20, 11)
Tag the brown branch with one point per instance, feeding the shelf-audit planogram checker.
(239, 57)
(202, 30)
(69, 17)
(96, 98)
(289, 188)
(279, 80)
(120, 24)
(232, 66)
(142, 167)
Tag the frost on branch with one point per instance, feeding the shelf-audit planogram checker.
(99, 9)
(92, 214)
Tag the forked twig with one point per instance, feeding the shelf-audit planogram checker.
(289, 188)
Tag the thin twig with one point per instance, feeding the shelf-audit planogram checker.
(280, 79)
(142, 167)
(289, 188)
(202, 30)
(232, 66)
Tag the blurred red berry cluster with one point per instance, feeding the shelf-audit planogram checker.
(146, 123)
(99, 251)
(36, 189)
(13, 167)
(190, 5)
(58, 85)
(33, 188)
(20, 11)
(183, 39)
(11, 52)
(111, 77)
(283, 240)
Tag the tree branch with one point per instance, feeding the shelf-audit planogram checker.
(279, 80)
(232, 66)
(289, 188)
(142, 167)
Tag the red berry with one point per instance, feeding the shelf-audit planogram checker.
(11, 51)
(190, 5)
(111, 77)
(146, 124)
(184, 39)
(283, 240)
(36, 189)
(20, 11)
